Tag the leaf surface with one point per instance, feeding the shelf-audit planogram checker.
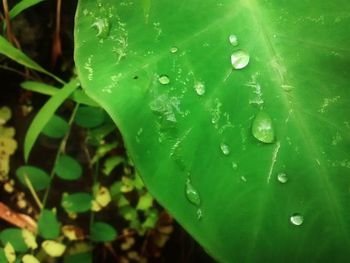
(219, 100)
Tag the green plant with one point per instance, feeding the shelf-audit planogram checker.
(235, 114)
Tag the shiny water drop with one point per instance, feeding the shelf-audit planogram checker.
(225, 149)
(200, 88)
(234, 165)
(102, 26)
(173, 50)
(297, 219)
(262, 128)
(199, 214)
(164, 79)
(239, 59)
(192, 194)
(282, 178)
(233, 40)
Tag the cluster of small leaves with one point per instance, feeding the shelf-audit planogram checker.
(100, 198)
(104, 181)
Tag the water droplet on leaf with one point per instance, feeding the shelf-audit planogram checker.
(173, 50)
(102, 26)
(192, 194)
(233, 40)
(297, 219)
(199, 214)
(234, 165)
(262, 128)
(164, 79)
(225, 149)
(239, 59)
(200, 88)
(282, 178)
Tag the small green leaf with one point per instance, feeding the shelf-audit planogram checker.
(29, 238)
(79, 258)
(45, 114)
(151, 220)
(17, 55)
(21, 6)
(38, 178)
(48, 226)
(145, 202)
(68, 168)
(10, 253)
(57, 127)
(102, 232)
(111, 163)
(90, 117)
(29, 259)
(5, 114)
(77, 202)
(78, 96)
(128, 212)
(14, 236)
(53, 248)
(102, 150)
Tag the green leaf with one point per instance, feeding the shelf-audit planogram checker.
(21, 6)
(186, 83)
(68, 168)
(5, 115)
(145, 202)
(14, 236)
(37, 177)
(79, 258)
(48, 225)
(57, 127)
(44, 116)
(90, 117)
(77, 202)
(2, 255)
(102, 232)
(78, 96)
(111, 163)
(17, 55)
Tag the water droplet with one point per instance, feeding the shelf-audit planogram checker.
(262, 128)
(297, 219)
(200, 88)
(225, 149)
(234, 165)
(239, 59)
(199, 214)
(233, 40)
(287, 87)
(282, 178)
(164, 79)
(102, 26)
(192, 194)
(173, 50)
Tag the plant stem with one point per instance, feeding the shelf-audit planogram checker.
(32, 191)
(60, 150)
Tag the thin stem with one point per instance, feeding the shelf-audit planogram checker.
(94, 180)
(57, 48)
(61, 149)
(32, 191)
(5, 67)
(9, 34)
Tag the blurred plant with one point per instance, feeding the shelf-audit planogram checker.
(91, 197)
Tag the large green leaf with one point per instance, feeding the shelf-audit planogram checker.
(236, 114)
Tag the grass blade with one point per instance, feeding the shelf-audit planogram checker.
(45, 114)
